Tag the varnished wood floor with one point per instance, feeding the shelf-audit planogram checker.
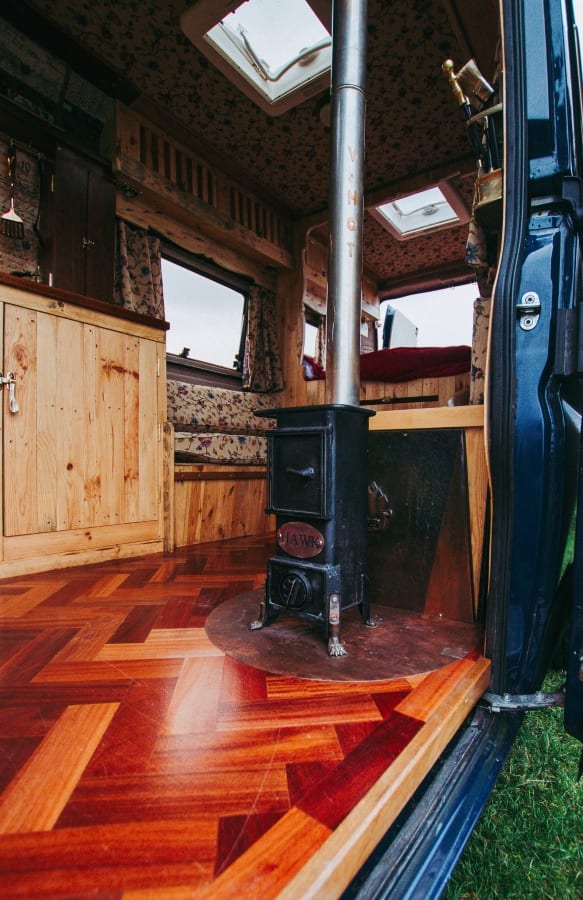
(136, 760)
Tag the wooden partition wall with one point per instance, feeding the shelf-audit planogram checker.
(470, 421)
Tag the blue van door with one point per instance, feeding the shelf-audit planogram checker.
(574, 687)
(534, 395)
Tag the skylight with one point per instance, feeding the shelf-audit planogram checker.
(278, 52)
(427, 210)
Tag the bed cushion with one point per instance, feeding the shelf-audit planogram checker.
(217, 425)
(239, 449)
(412, 363)
(195, 408)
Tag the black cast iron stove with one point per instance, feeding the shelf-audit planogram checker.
(317, 488)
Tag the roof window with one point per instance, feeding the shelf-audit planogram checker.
(421, 212)
(278, 52)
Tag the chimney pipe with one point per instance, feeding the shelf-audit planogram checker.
(349, 27)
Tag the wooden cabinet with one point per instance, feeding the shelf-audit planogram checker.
(79, 226)
(83, 455)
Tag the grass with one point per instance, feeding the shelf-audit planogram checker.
(528, 844)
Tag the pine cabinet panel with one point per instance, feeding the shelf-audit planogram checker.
(82, 458)
(20, 431)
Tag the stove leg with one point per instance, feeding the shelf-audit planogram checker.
(335, 647)
(264, 617)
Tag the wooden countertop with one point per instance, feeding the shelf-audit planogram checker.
(28, 285)
(431, 417)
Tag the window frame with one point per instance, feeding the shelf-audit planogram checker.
(452, 198)
(202, 16)
(315, 320)
(198, 371)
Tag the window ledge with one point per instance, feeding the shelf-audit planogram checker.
(197, 372)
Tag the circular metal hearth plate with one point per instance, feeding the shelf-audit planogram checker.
(401, 645)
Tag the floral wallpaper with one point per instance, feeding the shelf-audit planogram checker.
(412, 124)
(20, 256)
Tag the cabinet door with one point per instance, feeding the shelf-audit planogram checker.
(82, 457)
(99, 233)
(83, 216)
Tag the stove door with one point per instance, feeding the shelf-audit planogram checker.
(298, 472)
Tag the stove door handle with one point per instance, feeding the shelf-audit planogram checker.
(307, 472)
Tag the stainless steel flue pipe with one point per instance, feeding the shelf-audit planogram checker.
(348, 101)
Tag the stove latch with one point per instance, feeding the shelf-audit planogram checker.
(379, 508)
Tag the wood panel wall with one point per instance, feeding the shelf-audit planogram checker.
(417, 394)
(471, 419)
(213, 502)
(173, 181)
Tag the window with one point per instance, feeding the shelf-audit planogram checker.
(206, 309)
(441, 318)
(312, 324)
(424, 211)
(278, 52)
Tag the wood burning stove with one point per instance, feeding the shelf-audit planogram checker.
(317, 474)
(317, 488)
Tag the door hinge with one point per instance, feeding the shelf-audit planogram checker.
(523, 702)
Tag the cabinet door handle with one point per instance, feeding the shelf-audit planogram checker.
(11, 382)
(87, 243)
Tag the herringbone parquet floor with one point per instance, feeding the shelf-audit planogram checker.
(137, 760)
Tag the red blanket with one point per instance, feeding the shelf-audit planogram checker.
(404, 364)
(410, 363)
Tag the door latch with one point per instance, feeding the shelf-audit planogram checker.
(522, 702)
(10, 380)
(528, 310)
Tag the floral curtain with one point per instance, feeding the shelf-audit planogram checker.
(262, 371)
(138, 274)
(321, 343)
(481, 254)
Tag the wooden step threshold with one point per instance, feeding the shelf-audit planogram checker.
(302, 857)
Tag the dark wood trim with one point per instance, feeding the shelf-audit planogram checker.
(427, 280)
(230, 474)
(421, 398)
(38, 135)
(206, 267)
(87, 64)
(194, 371)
